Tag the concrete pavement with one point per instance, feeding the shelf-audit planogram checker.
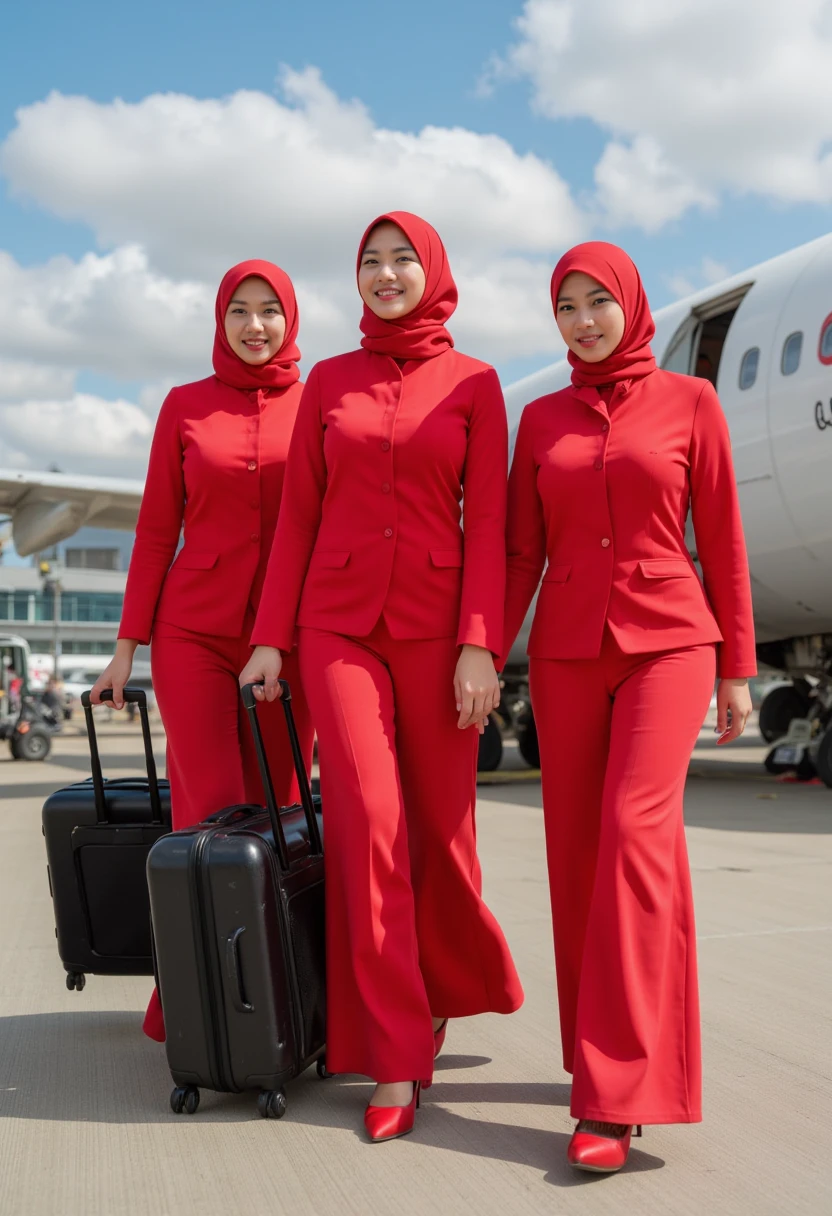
(85, 1126)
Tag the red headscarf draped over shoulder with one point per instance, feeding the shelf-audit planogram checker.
(615, 270)
(422, 333)
(282, 369)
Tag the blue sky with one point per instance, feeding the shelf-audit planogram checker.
(413, 67)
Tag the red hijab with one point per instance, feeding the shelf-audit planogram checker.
(422, 333)
(615, 270)
(282, 369)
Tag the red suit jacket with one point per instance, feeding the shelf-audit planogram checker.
(602, 494)
(371, 522)
(216, 464)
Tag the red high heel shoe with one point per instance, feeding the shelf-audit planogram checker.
(390, 1122)
(600, 1152)
(439, 1038)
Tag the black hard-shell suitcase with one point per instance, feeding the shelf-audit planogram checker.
(98, 835)
(237, 906)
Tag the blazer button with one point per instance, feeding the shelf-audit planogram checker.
(252, 465)
(605, 427)
(385, 447)
(255, 536)
(385, 489)
(605, 543)
(599, 464)
(388, 532)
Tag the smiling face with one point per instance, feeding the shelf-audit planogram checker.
(590, 319)
(390, 277)
(254, 322)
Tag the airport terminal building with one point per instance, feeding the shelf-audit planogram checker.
(93, 572)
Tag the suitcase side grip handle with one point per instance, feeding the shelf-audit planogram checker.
(234, 971)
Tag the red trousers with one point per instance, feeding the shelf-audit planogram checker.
(616, 734)
(211, 761)
(408, 935)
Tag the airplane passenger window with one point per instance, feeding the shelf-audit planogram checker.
(825, 349)
(748, 367)
(792, 348)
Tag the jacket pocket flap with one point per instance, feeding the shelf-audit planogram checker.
(557, 574)
(196, 559)
(446, 558)
(331, 560)
(664, 567)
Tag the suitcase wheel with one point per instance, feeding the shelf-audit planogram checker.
(75, 981)
(323, 1071)
(184, 1097)
(271, 1103)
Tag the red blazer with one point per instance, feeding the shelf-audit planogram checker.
(371, 522)
(216, 465)
(603, 495)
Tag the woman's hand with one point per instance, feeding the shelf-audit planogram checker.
(476, 686)
(265, 664)
(733, 700)
(116, 674)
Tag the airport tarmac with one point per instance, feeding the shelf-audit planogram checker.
(86, 1130)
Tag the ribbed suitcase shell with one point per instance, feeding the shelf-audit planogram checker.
(237, 905)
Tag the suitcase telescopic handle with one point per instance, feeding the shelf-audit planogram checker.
(138, 697)
(250, 703)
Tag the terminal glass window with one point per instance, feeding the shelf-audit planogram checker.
(748, 367)
(96, 607)
(792, 349)
(17, 606)
(93, 559)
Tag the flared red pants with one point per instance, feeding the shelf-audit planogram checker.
(408, 934)
(211, 761)
(616, 734)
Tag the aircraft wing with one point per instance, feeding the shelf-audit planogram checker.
(45, 508)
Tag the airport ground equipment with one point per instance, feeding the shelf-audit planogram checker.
(238, 922)
(98, 835)
(23, 722)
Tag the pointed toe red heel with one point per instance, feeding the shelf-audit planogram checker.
(439, 1038)
(390, 1122)
(600, 1148)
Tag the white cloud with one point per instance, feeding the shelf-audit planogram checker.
(178, 189)
(700, 96)
(81, 434)
(686, 282)
(36, 380)
(201, 184)
(637, 186)
(110, 313)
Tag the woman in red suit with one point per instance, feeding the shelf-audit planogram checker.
(216, 466)
(624, 649)
(399, 611)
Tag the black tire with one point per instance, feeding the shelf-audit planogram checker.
(34, 745)
(491, 747)
(70, 981)
(177, 1100)
(779, 708)
(271, 1103)
(191, 1100)
(527, 742)
(80, 981)
(804, 770)
(823, 758)
(323, 1071)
